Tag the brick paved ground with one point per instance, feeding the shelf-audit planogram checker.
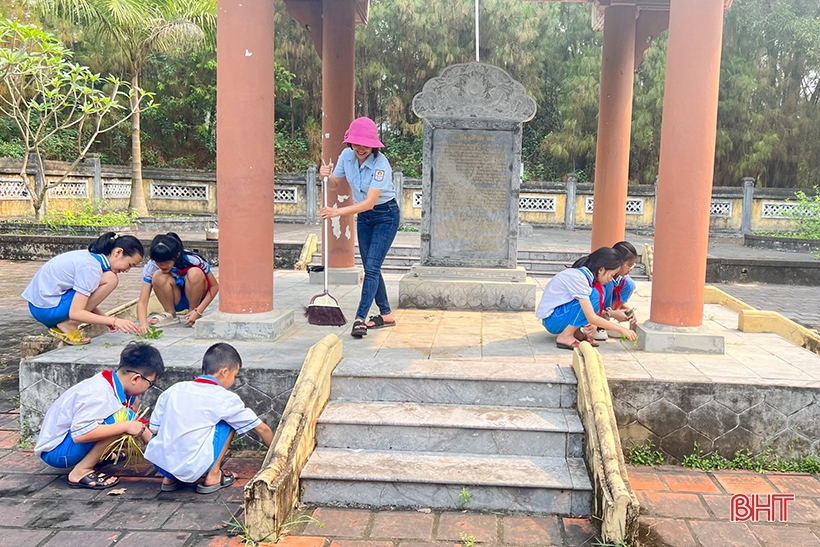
(683, 507)
(37, 508)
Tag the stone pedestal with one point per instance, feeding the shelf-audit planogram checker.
(242, 326)
(339, 276)
(501, 289)
(665, 339)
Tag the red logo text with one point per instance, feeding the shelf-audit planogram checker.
(754, 507)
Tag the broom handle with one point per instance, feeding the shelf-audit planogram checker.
(324, 232)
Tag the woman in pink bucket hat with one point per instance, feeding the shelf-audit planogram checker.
(371, 179)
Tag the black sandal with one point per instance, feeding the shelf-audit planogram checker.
(359, 328)
(379, 322)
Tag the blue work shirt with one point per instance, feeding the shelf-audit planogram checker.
(373, 173)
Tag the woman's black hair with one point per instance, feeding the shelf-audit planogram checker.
(375, 151)
(606, 258)
(109, 241)
(626, 250)
(165, 247)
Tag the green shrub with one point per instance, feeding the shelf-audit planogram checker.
(807, 214)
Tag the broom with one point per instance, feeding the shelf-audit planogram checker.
(323, 308)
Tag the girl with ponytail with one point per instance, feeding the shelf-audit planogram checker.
(182, 280)
(69, 289)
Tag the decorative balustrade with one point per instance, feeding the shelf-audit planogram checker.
(297, 197)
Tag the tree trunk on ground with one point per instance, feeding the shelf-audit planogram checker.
(137, 202)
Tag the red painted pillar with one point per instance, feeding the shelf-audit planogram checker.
(614, 126)
(686, 161)
(338, 106)
(244, 155)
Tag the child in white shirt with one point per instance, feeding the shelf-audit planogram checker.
(80, 424)
(574, 297)
(194, 422)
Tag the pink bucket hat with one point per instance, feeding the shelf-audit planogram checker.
(363, 131)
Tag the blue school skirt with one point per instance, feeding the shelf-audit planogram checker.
(51, 317)
(571, 314)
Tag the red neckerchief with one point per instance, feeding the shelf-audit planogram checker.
(182, 271)
(206, 380)
(109, 376)
(616, 293)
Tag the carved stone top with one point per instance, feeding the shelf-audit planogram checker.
(474, 90)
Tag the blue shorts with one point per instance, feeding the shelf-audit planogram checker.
(570, 314)
(51, 317)
(221, 436)
(68, 453)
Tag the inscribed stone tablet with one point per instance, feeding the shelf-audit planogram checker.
(471, 180)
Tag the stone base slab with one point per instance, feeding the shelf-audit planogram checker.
(477, 289)
(657, 338)
(239, 326)
(338, 276)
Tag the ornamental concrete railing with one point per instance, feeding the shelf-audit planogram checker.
(297, 197)
(272, 494)
(614, 502)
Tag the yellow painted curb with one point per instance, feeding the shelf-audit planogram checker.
(271, 495)
(614, 502)
(750, 319)
(713, 295)
(310, 248)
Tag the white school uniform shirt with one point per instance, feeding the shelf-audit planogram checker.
(151, 268)
(185, 419)
(76, 270)
(78, 410)
(568, 285)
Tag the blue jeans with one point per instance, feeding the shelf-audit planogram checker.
(377, 229)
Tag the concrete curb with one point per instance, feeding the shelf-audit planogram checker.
(750, 319)
(615, 504)
(272, 493)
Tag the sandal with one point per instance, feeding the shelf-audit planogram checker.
(94, 481)
(225, 480)
(173, 487)
(378, 322)
(572, 346)
(73, 338)
(581, 337)
(163, 319)
(359, 328)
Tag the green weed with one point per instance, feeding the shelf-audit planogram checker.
(152, 333)
(645, 454)
(745, 459)
(464, 497)
(407, 228)
(467, 540)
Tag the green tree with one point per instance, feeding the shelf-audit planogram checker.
(46, 94)
(134, 29)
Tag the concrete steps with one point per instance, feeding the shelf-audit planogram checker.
(414, 434)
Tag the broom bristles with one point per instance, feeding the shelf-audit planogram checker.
(325, 315)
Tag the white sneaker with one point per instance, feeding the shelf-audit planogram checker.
(600, 334)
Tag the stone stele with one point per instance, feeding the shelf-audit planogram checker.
(473, 116)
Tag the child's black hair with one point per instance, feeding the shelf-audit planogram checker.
(626, 250)
(605, 257)
(219, 356)
(142, 358)
(165, 247)
(375, 151)
(109, 241)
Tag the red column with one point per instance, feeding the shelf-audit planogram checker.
(614, 126)
(244, 155)
(686, 161)
(338, 105)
